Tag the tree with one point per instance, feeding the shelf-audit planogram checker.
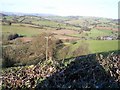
(44, 44)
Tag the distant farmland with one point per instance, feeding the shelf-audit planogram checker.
(23, 30)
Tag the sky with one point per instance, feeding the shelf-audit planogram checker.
(97, 8)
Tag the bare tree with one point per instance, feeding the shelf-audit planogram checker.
(44, 45)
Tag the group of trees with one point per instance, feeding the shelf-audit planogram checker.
(85, 28)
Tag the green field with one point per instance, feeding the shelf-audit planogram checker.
(94, 33)
(103, 46)
(46, 23)
(96, 46)
(22, 30)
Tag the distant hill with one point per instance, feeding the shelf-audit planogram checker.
(1, 14)
(22, 14)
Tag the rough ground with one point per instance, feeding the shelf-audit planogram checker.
(90, 71)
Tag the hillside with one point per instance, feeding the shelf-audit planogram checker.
(90, 28)
(41, 51)
(91, 71)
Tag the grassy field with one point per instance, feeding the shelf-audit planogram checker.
(96, 46)
(95, 33)
(48, 23)
(103, 46)
(22, 30)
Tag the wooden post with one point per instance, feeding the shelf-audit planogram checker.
(46, 48)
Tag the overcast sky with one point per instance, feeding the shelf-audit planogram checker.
(98, 8)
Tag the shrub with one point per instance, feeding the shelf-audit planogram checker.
(59, 41)
(13, 36)
(63, 53)
(81, 50)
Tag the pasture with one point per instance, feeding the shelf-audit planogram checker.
(95, 33)
(96, 46)
(22, 30)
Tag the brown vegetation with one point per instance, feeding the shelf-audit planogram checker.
(91, 71)
(29, 53)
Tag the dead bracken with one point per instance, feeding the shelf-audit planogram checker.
(90, 71)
